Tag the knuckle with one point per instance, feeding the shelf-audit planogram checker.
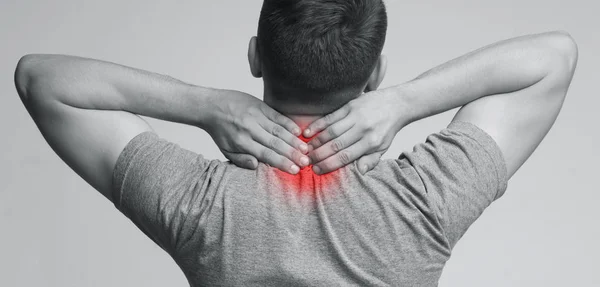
(368, 126)
(278, 118)
(316, 142)
(274, 142)
(277, 131)
(319, 155)
(237, 121)
(373, 140)
(332, 132)
(344, 157)
(337, 145)
(269, 155)
(254, 112)
(238, 140)
(315, 156)
(249, 129)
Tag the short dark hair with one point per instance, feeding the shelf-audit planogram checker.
(321, 47)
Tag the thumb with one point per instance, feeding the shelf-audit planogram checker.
(368, 162)
(242, 160)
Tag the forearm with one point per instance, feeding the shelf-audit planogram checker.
(55, 87)
(93, 84)
(503, 67)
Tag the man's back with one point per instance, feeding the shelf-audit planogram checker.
(395, 225)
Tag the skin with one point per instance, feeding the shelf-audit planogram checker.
(512, 89)
(324, 159)
(88, 110)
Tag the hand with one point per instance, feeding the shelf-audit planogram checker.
(362, 129)
(247, 131)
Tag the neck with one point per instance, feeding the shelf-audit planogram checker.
(302, 110)
(296, 113)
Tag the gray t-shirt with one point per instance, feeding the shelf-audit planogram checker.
(394, 226)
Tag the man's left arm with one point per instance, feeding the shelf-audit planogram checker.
(87, 111)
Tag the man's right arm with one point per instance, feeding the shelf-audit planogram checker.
(512, 89)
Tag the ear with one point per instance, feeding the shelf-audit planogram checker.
(377, 75)
(254, 58)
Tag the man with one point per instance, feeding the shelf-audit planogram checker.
(351, 219)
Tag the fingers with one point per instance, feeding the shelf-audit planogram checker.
(322, 123)
(281, 120)
(242, 160)
(342, 158)
(368, 162)
(272, 158)
(284, 128)
(335, 145)
(334, 131)
(283, 134)
(281, 148)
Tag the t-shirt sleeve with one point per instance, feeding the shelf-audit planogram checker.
(463, 171)
(155, 184)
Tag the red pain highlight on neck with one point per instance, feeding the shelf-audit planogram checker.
(307, 182)
(305, 139)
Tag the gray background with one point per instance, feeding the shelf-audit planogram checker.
(58, 231)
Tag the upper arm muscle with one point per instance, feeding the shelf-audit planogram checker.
(518, 121)
(89, 141)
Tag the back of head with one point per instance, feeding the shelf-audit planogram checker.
(319, 54)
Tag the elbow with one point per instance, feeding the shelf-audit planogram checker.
(32, 75)
(24, 75)
(566, 50)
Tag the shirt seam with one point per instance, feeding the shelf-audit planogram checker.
(123, 163)
(495, 156)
